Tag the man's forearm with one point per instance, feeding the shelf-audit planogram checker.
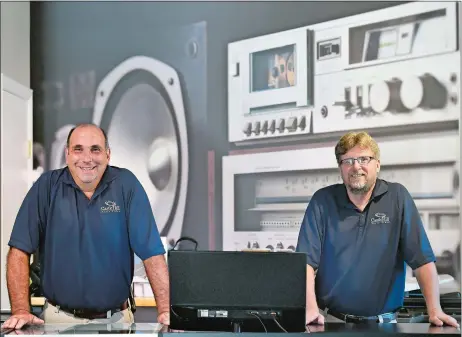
(157, 272)
(17, 280)
(311, 302)
(427, 277)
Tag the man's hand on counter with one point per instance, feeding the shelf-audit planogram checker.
(314, 317)
(20, 319)
(439, 318)
(164, 318)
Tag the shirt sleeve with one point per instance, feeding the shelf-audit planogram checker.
(414, 242)
(144, 235)
(31, 218)
(310, 236)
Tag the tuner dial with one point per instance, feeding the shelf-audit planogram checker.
(385, 96)
(423, 91)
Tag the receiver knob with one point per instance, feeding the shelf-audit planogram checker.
(423, 91)
(385, 96)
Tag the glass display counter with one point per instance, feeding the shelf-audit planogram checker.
(155, 329)
(151, 329)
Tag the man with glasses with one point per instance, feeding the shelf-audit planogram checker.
(357, 237)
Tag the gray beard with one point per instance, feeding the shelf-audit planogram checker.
(360, 190)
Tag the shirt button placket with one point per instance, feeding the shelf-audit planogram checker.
(362, 222)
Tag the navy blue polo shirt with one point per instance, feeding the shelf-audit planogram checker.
(360, 256)
(86, 245)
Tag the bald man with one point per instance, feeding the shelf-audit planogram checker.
(87, 219)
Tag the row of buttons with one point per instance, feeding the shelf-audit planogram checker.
(291, 125)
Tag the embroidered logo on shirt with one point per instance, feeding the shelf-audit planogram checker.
(380, 218)
(111, 207)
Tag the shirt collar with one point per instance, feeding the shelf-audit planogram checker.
(380, 188)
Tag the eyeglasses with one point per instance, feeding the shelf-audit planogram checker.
(363, 160)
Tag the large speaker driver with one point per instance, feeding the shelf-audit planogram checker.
(57, 153)
(140, 105)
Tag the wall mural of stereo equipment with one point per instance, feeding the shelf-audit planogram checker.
(397, 66)
(270, 86)
(394, 67)
(265, 195)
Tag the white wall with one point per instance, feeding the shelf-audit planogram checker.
(15, 41)
(15, 64)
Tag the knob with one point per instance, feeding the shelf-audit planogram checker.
(292, 124)
(281, 125)
(423, 91)
(385, 96)
(264, 128)
(256, 128)
(247, 129)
